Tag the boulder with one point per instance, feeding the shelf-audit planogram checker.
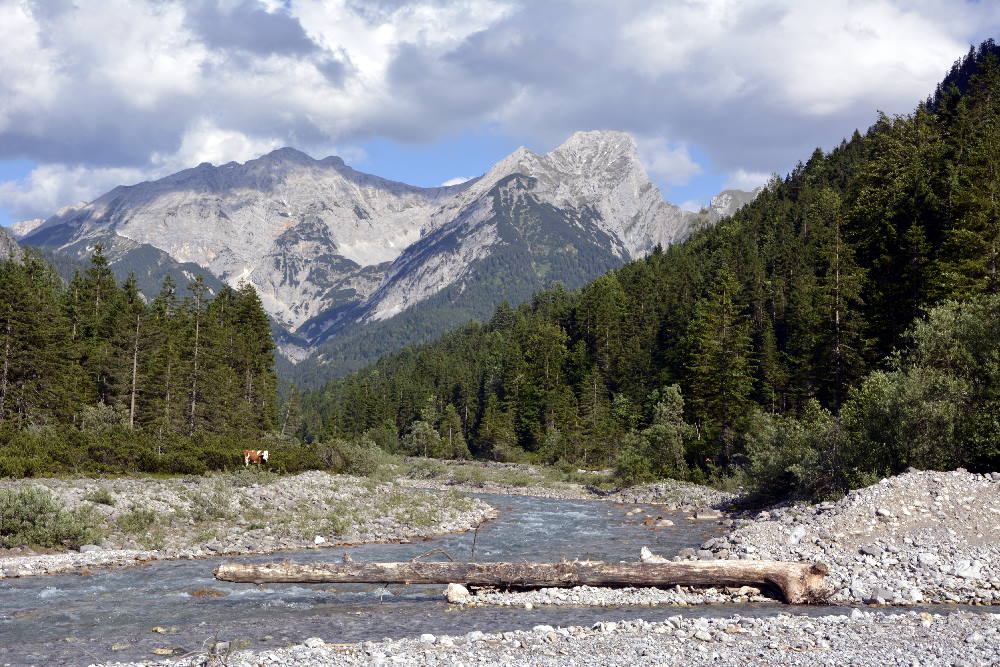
(457, 594)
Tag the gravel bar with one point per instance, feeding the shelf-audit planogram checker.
(199, 517)
(855, 638)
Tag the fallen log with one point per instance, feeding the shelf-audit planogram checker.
(798, 583)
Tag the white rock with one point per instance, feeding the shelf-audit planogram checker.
(927, 559)
(457, 594)
(968, 570)
(314, 642)
(427, 638)
(319, 539)
(647, 556)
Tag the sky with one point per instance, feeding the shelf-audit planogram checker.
(717, 93)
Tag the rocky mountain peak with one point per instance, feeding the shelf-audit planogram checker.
(287, 154)
(596, 150)
(24, 227)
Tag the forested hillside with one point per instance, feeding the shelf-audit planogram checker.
(765, 344)
(93, 377)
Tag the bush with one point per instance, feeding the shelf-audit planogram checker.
(356, 457)
(100, 496)
(32, 517)
(794, 458)
(632, 467)
(250, 476)
(938, 406)
(136, 521)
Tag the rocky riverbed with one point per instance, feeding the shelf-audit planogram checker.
(918, 537)
(144, 519)
(849, 638)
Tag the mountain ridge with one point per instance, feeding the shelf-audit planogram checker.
(327, 246)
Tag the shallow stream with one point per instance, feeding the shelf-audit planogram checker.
(110, 615)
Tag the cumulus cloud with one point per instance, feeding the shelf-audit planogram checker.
(741, 179)
(672, 165)
(98, 88)
(52, 186)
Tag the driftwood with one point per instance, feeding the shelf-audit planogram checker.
(798, 583)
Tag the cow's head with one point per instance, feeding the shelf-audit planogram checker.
(263, 456)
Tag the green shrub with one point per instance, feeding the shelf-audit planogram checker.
(100, 496)
(207, 506)
(254, 475)
(356, 457)
(795, 458)
(632, 468)
(136, 521)
(32, 517)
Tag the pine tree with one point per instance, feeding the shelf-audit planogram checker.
(37, 379)
(720, 366)
(971, 262)
(839, 344)
(130, 337)
(167, 324)
(453, 443)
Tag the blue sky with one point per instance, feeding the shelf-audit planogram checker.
(716, 93)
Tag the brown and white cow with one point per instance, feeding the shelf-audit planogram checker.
(257, 456)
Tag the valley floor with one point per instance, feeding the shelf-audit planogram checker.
(921, 537)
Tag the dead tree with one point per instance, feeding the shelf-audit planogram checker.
(798, 583)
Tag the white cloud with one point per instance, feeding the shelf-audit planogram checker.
(98, 88)
(672, 165)
(458, 180)
(741, 179)
(52, 186)
(693, 205)
(206, 142)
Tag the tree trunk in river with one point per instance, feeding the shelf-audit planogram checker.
(799, 583)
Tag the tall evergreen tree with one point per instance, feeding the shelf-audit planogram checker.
(721, 367)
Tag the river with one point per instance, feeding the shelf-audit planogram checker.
(110, 615)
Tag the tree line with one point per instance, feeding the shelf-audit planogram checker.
(94, 376)
(710, 356)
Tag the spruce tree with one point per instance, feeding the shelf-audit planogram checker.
(720, 367)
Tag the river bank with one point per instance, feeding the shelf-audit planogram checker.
(544, 482)
(143, 519)
(920, 537)
(849, 638)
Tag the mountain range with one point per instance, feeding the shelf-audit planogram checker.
(339, 257)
